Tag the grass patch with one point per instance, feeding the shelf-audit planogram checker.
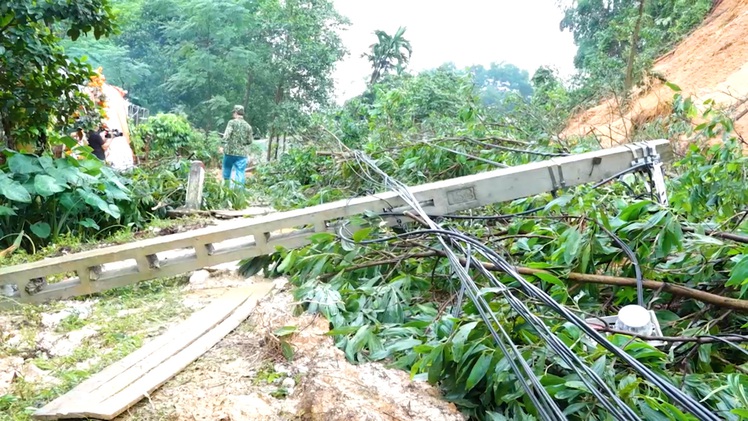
(267, 375)
(124, 319)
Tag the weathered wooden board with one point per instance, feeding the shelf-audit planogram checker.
(245, 238)
(121, 385)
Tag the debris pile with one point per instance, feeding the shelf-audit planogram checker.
(246, 376)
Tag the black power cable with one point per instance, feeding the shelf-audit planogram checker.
(670, 390)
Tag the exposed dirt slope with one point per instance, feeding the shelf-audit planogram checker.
(711, 63)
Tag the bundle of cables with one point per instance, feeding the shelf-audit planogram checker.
(454, 243)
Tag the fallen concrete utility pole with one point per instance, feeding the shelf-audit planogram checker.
(111, 267)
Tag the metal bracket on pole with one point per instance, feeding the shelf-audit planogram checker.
(653, 162)
(561, 183)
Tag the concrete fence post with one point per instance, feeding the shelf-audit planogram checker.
(195, 183)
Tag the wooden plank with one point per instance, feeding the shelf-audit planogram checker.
(117, 404)
(153, 352)
(441, 197)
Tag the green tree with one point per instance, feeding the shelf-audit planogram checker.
(633, 47)
(390, 52)
(144, 25)
(618, 39)
(301, 40)
(209, 41)
(497, 80)
(120, 67)
(39, 82)
(200, 57)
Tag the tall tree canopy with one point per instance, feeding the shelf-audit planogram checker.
(603, 30)
(39, 82)
(498, 79)
(202, 56)
(390, 52)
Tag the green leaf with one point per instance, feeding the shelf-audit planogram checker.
(93, 199)
(571, 245)
(559, 202)
(287, 350)
(651, 410)
(575, 408)
(479, 370)
(89, 223)
(458, 341)
(46, 186)
(599, 366)
(321, 237)
(318, 267)
(673, 86)
(356, 343)
(586, 256)
(547, 277)
(361, 234)
(252, 266)
(495, 416)
(116, 193)
(14, 191)
(285, 331)
(5, 19)
(743, 413)
(41, 229)
(739, 273)
(69, 142)
(437, 363)
(24, 164)
(346, 330)
(705, 353)
(576, 384)
(287, 262)
(46, 163)
(403, 345)
(6, 211)
(92, 166)
(74, 33)
(632, 212)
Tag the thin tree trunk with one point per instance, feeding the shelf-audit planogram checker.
(246, 92)
(273, 133)
(632, 52)
(270, 144)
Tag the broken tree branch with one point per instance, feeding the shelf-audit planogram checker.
(679, 290)
(719, 234)
(694, 339)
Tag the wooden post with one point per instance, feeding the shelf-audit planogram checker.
(195, 186)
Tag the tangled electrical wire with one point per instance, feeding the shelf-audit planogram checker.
(454, 242)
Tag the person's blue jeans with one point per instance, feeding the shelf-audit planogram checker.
(233, 163)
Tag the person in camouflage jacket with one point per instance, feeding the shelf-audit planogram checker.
(236, 142)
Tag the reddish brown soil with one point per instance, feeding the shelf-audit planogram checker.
(711, 63)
